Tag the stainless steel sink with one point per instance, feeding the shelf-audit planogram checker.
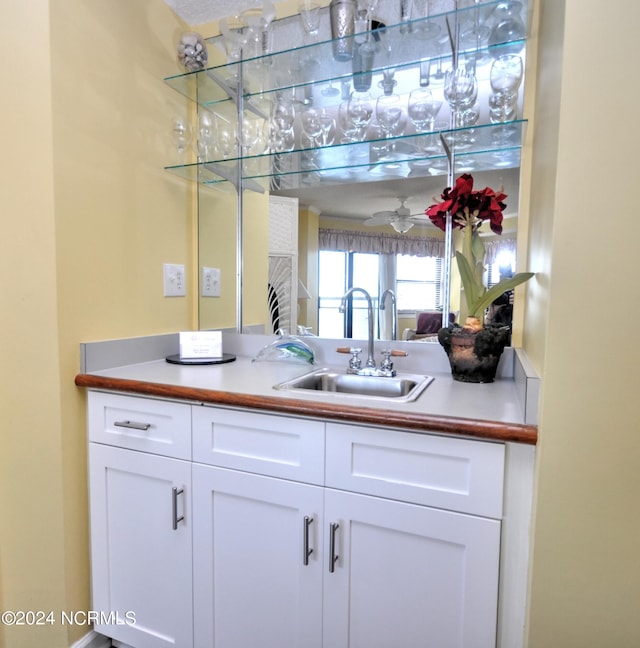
(401, 388)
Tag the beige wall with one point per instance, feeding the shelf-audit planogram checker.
(585, 229)
(89, 216)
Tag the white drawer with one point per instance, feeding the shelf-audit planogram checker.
(259, 443)
(454, 474)
(155, 426)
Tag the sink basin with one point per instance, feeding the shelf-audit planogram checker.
(401, 388)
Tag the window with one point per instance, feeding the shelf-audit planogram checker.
(339, 271)
(417, 287)
(502, 267)
(418, 283)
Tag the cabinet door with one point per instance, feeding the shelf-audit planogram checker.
(252, 586)
(140, 549)
(408, 575)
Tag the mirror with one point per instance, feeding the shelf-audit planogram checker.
(333, 205)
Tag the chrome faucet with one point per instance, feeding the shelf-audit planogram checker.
(394, 310)
(371, 363)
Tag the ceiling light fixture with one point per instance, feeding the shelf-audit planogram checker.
(401, 225)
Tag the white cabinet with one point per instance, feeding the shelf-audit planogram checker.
(140, 548)
(298, 533)
(140, 513)
(409, 576)
(408, 572)
(256, 585)
(257, 537)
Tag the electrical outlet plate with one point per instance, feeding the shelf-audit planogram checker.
(210, 282)
(174, 280)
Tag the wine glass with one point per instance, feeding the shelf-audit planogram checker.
(360, 111)
(505, 78)
(422, 109)
(311, 125)
(347, 126)
(206, 135)
(310, 17)
(283, 114)
(328, 123)
(181, 134)
(423, 28)
(226, 137)
(508, 27)
(460, 91)
(330, 90)
(249, 134)
(389, 112)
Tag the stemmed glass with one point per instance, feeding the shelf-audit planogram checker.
(249, 135)
(424, 29)
(310, 18)
(311, 125)
(422, 109)
(460, 92)
(505, 78)
(389, 114)
(226, 137)
(206, 135)
(348, 128)
(281, 134)
(181, 133)
(327, 122)
(360, 112)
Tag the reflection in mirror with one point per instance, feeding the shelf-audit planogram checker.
(351, 213)
(341, 244)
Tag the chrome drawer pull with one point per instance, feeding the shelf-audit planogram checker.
(333, 556)
(132, 425)
(306, 551)
(174, 506)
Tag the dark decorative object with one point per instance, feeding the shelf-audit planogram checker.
(474, 355)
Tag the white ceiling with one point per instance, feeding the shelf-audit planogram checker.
(199, 12)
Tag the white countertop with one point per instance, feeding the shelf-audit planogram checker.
(504, 409)
(495, 401)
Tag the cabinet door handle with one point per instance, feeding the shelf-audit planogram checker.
(306, 550)
(132, 425)
(174, 507)
(333, 556)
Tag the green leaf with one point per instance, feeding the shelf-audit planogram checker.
(485, 300)
(472, 291)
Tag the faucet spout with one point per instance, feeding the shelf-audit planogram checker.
(394, 312)
(370, 352)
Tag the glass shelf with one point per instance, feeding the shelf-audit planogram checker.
(302, 72)
(400, 46)
(483, 147)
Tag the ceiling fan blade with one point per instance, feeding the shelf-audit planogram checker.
(381, 218)
(384, 214)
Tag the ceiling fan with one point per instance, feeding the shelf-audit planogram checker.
(401, 219)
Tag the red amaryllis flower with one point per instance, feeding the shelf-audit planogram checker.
(465, 204)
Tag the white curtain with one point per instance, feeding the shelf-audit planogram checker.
(392, 244)
(494, 247)
(374, 242)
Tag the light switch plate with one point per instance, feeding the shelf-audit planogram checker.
(174, 280)
(210, 282)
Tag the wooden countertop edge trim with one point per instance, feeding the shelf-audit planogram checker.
(492, 430)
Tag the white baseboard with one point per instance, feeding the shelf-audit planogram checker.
(93, 639)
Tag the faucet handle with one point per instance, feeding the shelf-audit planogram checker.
(386, 364)
(354, 362)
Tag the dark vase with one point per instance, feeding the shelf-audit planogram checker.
(474, 355)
